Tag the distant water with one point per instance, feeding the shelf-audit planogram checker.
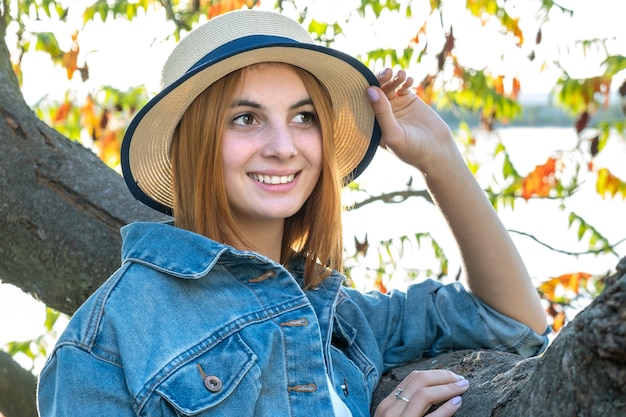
(546, 220)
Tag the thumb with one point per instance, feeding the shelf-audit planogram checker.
(383, 111)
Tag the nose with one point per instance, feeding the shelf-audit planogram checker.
(280, 142)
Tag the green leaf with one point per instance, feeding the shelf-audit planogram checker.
(47, 42)
(51, 318)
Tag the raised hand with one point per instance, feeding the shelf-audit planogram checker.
(410, 128)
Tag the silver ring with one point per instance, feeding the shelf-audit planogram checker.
(399, 396)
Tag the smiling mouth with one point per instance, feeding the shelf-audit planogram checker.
(273, 179)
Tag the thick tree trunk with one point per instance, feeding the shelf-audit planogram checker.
(582, 374)
(61, 210)
(60, 206)
(493, 376)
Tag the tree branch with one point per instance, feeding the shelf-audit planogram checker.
(17, 389)
(9, 86)
(394, 197)
(572, 253)
(171, 15)
(592, 348)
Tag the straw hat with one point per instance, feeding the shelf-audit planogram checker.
(225, 44)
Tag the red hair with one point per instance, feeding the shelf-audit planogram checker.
(200, 201)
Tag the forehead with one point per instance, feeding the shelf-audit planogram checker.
(271, 70)
(267, 66)
(270, 79)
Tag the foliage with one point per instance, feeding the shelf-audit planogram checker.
(37, 347)
(98, 118)
(98, 122)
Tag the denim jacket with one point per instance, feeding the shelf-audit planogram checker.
(191, 327)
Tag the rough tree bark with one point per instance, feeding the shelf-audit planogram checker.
(17, 389)
(60, 213)
(582, 374)
(60, 206)
(60, 210)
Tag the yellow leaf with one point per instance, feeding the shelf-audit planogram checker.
(609, 183)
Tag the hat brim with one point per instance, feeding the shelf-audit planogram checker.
(145, 155)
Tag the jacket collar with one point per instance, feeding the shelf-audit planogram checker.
(178, 252)
(184, 254)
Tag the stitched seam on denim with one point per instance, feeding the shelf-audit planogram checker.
(96, 314)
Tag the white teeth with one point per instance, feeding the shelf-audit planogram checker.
(273, 179)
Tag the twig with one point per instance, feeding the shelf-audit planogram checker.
(588, 252)
(394, 197)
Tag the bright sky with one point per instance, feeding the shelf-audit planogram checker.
(133, 53)
(130, 57)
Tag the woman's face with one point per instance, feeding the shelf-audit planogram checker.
(272, 145)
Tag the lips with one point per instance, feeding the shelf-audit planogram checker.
(273, 179)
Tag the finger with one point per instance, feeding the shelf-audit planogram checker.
(430, 378)
(447, 409)
(407, 394)
(392, 85)
(383, 111)
(384, 76)
(426, 388)
(405, 88)
(426, 396)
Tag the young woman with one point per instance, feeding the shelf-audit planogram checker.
(237, 308)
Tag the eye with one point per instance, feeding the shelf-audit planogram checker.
(306, 118)
(245, 119)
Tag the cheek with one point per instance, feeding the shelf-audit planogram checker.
(314, 152)
(231, 165)
(232, 155)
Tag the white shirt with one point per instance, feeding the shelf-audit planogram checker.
(341, 409)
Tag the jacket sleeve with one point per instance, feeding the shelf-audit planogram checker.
(431, 318)
(73, 382)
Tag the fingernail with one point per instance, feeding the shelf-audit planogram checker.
(372, 94)
(463, 383)
(383, 72)
(456, 400)
(460, 377)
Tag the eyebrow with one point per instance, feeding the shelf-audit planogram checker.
(255, 105)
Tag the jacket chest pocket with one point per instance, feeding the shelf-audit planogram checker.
(207, 382)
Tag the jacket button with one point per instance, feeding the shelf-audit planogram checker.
(302, 322)
(304, 388)
(212, 383)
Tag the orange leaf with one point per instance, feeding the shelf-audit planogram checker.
(539, 182)
(422, 31)
(88, 119)
(558, 321)
(378, 284)
(498, 84)
(569, 282)
(109, 149)
(515, 88)
(425, 89)
(70, 58)
(224, 6)
(17, 69)
(62, 112)
(558, 316)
